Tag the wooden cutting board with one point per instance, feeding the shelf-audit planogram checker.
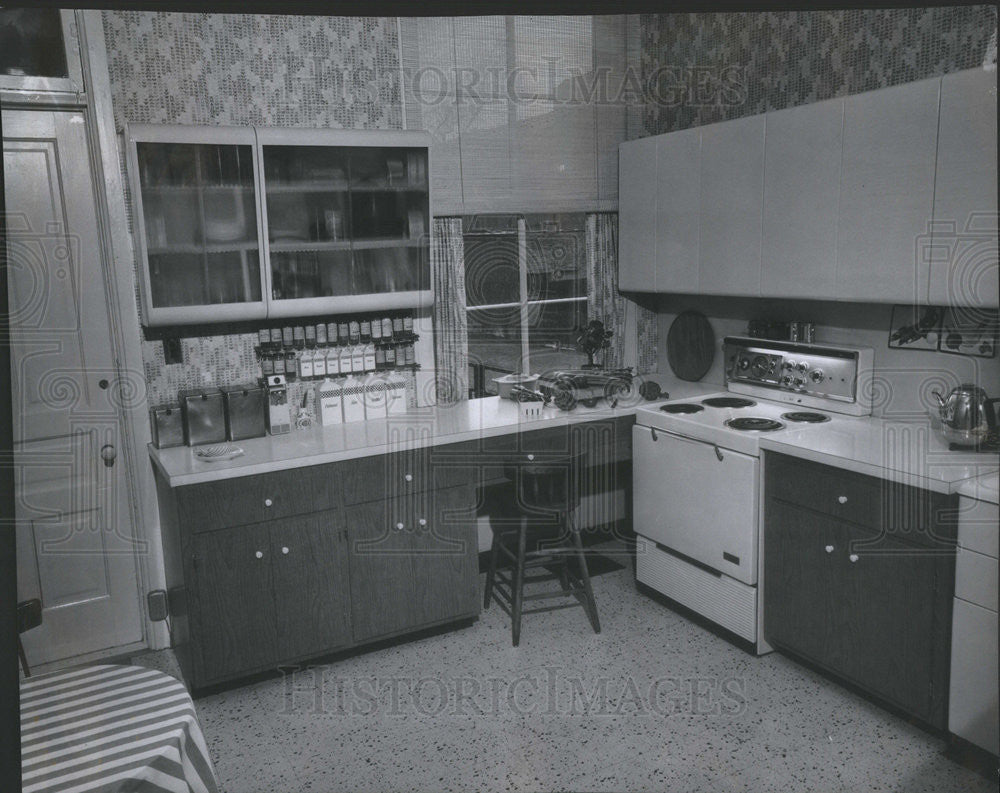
(690, 345)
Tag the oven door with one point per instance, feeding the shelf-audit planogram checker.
(697, 499)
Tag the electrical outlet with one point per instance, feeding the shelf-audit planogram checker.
(157, 603)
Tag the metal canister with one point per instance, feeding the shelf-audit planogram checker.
(793, 331)
(807, 332)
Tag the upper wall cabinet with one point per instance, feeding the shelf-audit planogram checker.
(637, 217)
(886, 192)
(677, 208)
(243, 223)
(732, 193)
(963, 253)
(801, 190)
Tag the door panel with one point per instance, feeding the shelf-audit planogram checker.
(311, 584)
(637, 215)
(691, 501)
(233, 616)
(677, 222)
(75, 544)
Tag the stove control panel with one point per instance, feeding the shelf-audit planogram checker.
(823, 372)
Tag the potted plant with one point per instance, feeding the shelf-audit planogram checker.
(591, 340)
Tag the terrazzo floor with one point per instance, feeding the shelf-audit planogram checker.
(653, 703)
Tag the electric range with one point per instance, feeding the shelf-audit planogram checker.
(696, 469)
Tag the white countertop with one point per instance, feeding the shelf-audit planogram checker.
(982, 488)
(908, 452)
(468, 420)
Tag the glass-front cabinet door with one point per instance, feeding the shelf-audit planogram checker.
(347, 219)
(195, 218)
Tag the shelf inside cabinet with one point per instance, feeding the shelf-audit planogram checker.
(307, 187)
(289, 246)
(387, 242)
(194, 249)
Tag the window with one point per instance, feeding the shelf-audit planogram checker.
(526, 294)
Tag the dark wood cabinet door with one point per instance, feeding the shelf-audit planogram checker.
(380, 542)
(445, 557)
(800, 607)
(232, 612)
(311, 584)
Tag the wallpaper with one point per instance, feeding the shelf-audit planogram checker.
(705, 68)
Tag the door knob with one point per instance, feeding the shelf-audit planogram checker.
(408, 477)
(531, 457)
(829, 549)
(259, 554)
(268, 502)
(842, 499)
(853, 557)
(284, 549)
(422, 522)
(108, 454)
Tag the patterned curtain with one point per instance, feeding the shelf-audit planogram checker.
(451, 334)
(634, 340)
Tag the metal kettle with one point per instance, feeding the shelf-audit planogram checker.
(966, 414)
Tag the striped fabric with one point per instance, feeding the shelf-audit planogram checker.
(111, 728)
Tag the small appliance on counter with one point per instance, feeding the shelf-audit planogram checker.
(566, 387)
(506, 383)
(967, 416)
(167, 426)
(329, 398)
(244, 411)
(204, 415)
(279, 417)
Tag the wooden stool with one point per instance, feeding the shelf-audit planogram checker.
(532, 522)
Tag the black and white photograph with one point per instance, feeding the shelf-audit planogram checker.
(424, 397)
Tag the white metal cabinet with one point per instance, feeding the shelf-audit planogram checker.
(678, 219)
(732, 196)
(963, 253)
(802, 153)
(637, 176)
(886, 194)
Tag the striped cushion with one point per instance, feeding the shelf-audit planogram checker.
(111, 728)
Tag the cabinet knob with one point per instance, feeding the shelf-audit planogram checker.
(259, 554)
(422, 522)
(842, 499)
(829, 549)
(531, 457)
(268, 502)
(399, 527)
(284, 549)
(853, 557)
(408, 477)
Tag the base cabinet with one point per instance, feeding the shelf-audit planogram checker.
(868, 600)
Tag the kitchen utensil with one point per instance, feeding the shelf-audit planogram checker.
(967, 415)
(506, 383)
(690, 346)
(279, 419)
(219, 453)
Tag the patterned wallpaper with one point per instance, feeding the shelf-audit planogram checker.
(750, 63)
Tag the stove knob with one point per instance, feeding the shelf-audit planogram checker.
(744, 364)
(816, 375)
(799, 382)
(802, 366)
(786, 380)
(789, 364)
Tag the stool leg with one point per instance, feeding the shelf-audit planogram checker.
(491, 573)
(515, 617)
(591, 605)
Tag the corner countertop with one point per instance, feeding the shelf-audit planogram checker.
(908, 452)
(982, 488)
(468, 420)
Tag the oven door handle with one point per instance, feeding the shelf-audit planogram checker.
(718, 453)
(652, 432)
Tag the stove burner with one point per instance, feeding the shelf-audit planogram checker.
(728, 402)
(754, 423)
(805, 415)
(683, 407)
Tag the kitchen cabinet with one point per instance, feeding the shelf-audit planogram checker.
(965, 193)
(732, 190)
(637, 216)
(247, 223)
(678, 178)
(886, 192)
(802, 152)
(865, 593)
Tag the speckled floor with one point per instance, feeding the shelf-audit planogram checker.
(653, 703)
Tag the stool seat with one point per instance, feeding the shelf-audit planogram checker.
(531, 517)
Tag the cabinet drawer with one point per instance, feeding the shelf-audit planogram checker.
(832, 491)
(977, 526)
(398, 475)
(976, 579)
(249, 499)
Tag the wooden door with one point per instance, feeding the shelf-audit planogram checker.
(637, 215)
(233, 622)
(802, 150)
(678, 221)
(380, 546)
(75, 545)
(886, 192)
(963, 270)
(801, 556)
(311, 584)
(732, 201)
(445, 556)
